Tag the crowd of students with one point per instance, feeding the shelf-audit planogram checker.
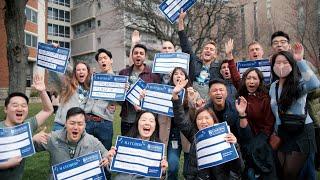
(271, 124)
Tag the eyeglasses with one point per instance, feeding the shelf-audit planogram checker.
(282, 42)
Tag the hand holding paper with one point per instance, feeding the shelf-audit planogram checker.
(179, 87)
(230, 138)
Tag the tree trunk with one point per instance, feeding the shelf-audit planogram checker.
(17, 52)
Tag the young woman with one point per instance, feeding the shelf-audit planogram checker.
(204, 118)
(169, 133)
(74, 94)
(256, 117)
(145, 128)
(294, 80)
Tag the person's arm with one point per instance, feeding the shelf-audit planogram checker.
(235, 75)
(47, 108)
(184, 42)
(308, 76)
(181, 120)
(245, 132)
(135, 39)
(269, 119)
(12, 162)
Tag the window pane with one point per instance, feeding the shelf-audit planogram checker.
(55, 30)
(67, 16)
(61, 15)
(28, 40)
(67, 31)
(61, 44)
(50, 13)
(67, 45)
(50, 29)
(34, 41)
(34, 16)
(28, 14)
(61, 31)
(55, 13)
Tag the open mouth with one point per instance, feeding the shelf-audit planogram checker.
(19, 114)
(146, 130)
(75, 134)
(104, 65)
(255, 56)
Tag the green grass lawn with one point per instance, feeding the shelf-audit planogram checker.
(37, 166)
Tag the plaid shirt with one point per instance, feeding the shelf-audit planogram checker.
(146, 75)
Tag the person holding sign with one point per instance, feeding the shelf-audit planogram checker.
(256, 118)
(145, 128)
(203, 68)
(74, 94)
(294, 79)
(100, 113)
(204, 118)
(16, 110)
(70, 142)
(138, 70)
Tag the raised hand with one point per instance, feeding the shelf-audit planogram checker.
(38, 83)
(135, 37)
(298, 51)
(179, 86)
(41, 137)
(241, 105)
(229, 48)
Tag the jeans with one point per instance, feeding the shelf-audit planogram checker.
(56, 126)
(174, 151)
(102, 130)
(308, 170)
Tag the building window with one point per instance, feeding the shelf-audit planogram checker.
(30, 40)
(61, 2)
(31, 15)
(58, 14)
(61, 43)
(99, 40)
(58, 30)
(84, 27)
(99, 23)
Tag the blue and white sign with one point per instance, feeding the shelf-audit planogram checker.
(16, 141)
(263, 65)
(136, 156)
(171, 8)
(212, 148)
(133, 95)
(158, 99)
(164, 63)
(108, 87)
(51, 58)
(83, 167)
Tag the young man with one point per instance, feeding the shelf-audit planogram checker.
(224, 109)
(16, 110)
(255, 51)
(201, 69)
(70, 142)
(138, 70)
(100, 113)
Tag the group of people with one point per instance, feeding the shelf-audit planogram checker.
(271, 125)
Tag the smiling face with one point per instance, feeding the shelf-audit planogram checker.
(146, 125)
(218, 94)
(75, 126)
(178, 75)
(225, 71)
(16, 111)
(204, 120)
(138, 56)
(255, 51)
(252, 81)
(105, 62)
(280, 43)
(81, 72)
(208, 53)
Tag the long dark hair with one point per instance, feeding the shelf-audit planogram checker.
(185, 101)
(134, 132)
(243, 91)
(290, 90)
